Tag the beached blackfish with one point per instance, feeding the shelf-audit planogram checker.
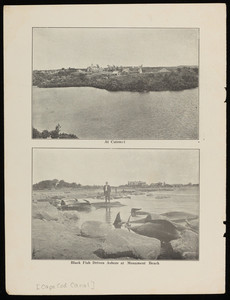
(162, 230)
(118, 222)
(179, 216)
(165, 227)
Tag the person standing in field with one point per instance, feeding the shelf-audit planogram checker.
(107, 191)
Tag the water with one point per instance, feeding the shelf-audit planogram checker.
(92, 113)
(186, 200)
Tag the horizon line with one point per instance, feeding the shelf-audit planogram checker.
(126, 66)
(119, 184)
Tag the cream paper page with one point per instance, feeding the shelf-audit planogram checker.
(200, 156)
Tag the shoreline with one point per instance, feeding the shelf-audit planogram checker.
(115, 91)
(176, 79)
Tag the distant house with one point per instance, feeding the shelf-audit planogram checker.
(81, 71)
(116, 73)
(76, 72)
(136, 69)
(136, 183)
(94, 69)
(164, 70)
(125, 71)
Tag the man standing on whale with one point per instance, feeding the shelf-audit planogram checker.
(107, 191)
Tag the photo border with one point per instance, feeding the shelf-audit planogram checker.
(107, 27)
(135, 149)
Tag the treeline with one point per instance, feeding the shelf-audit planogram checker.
(176, 79)
(54, 184)
(53, 134)
(161, 185)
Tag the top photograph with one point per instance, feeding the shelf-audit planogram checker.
(115, 83)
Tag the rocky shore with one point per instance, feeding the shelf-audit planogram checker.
(55, 235)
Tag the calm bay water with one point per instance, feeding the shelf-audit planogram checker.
(92, 113)
(186, 200)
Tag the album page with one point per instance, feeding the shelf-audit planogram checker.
(115, 120)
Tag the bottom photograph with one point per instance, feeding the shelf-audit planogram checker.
(115, 204)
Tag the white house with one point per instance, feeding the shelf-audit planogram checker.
(115, 72)
(164, 70)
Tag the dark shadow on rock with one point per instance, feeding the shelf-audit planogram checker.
(101, 253)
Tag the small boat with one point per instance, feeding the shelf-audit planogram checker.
(74, 204)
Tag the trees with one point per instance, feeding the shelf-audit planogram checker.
(45, 134)
(175, 79)
(53, 184)
(54, 134)
(45, 184)
(36, 134)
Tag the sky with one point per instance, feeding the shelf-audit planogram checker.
(117, 166)
(55, 48)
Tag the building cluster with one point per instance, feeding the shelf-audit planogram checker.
(157, 184)
(115, 70)
(137, 183)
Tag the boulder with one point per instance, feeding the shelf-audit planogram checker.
(95, 229)
(71, 215)
(123, 243)
(166, 251)
(190, 255)
(194, 224)
(53, 240)
(188, 243)
(45, 211)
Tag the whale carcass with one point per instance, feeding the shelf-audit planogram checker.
(165, 227)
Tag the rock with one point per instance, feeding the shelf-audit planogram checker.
(53, 240)
(166, 251)
(194, 224)
(45, 211)
(188, 243)
(71, 215)
(190, 255)
(95, 229)
(123, 243)
(38, 216)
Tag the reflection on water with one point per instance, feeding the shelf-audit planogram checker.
(177, 200)
(108, 215)
(92, 113)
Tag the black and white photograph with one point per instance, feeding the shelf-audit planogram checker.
(126, 83)
(115, 149)
(115, 204)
